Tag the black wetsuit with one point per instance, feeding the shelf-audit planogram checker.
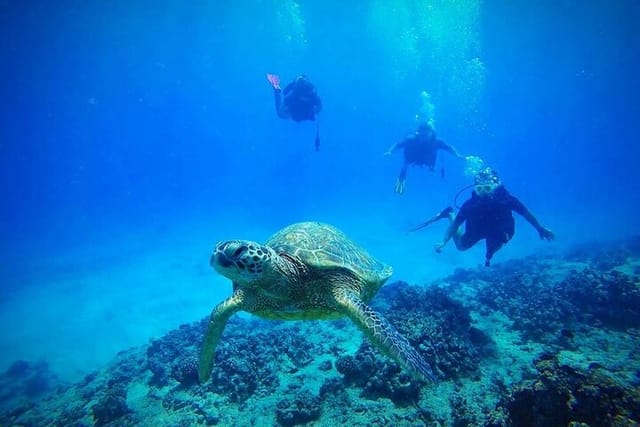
(421, 148)
(300, 100)
(490, 217)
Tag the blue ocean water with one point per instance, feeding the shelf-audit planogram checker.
(134, 135)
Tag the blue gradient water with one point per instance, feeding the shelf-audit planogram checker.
(134, 135)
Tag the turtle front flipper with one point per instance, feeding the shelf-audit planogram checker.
(383, 335)
(218, 320)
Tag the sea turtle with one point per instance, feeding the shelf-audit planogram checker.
(306, 271)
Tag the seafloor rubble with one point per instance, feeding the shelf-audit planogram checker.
(543, 341)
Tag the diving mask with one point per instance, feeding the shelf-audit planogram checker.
(486, 181)
(484, 189)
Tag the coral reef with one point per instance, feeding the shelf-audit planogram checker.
(111, 406)
(535, 306)
(29, 380)
(542, 307)
(377, 377)
(611, 298)
(299, 410)
(172, 356)
(544, 340)
(437, 325)
(561, 395)
(604, 257)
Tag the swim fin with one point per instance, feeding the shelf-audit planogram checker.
(274, 79)
(445, 213)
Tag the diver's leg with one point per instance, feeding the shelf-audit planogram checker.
(401, 178)
(403, 171)
(464, 241)
(445, 213)
(493, 245)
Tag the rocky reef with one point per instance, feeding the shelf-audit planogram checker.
(540, 341)
(563, 396)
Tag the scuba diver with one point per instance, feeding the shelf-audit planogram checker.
(488, 215)
(421, 149)
(298, 101)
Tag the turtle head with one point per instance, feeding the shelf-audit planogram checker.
(242, 261)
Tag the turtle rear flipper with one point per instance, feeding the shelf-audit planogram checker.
(383, 335)
(218, 320)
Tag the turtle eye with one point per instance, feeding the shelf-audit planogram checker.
(242, 249)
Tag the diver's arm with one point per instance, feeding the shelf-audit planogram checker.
(521, 209)
(394, 147)
(288, 88)
(450, 149)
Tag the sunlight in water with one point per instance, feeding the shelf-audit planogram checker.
(437, 38)
(473, 166)
(292, 24)
(426, 113)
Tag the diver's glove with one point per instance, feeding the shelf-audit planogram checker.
(400, 186)
(439, 246)
(546, 234)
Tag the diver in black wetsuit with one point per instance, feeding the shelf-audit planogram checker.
(488, 215)
(421, 149)
(298, 101)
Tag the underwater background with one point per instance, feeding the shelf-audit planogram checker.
(135, 135)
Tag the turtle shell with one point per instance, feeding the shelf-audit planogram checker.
(322, 246)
